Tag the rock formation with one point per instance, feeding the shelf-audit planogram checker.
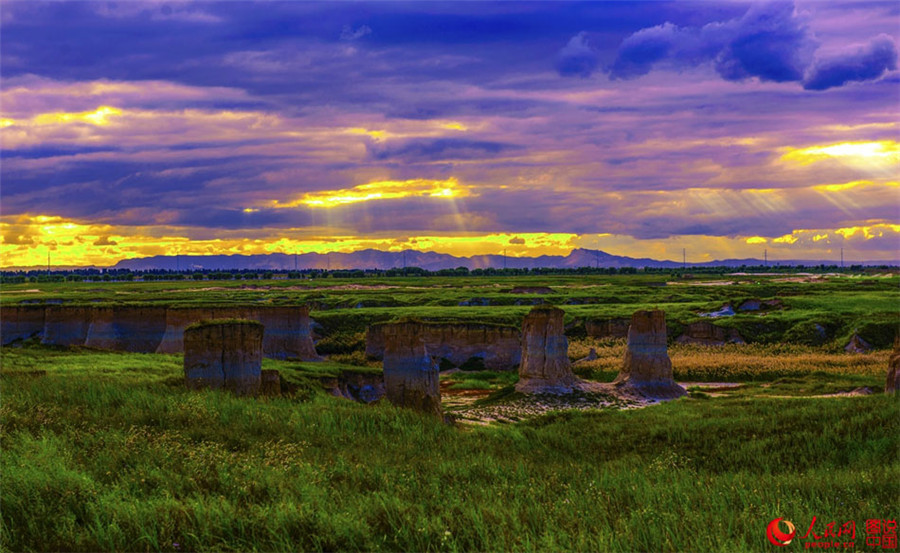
(153, 329)
(857, 345)
(357, 386)
(288, 333)
(178, 319)
(892, 386)
(707, 334)
(224, 354)
(498, 346)
(66, 326)
(725, 311)
(410, 375)
(591, 356)
(607, 328)
(647, 368)
(545, 367)
(269, 383)
(21, 322)
(135, 329)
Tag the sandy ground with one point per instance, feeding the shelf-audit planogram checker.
(594, 396)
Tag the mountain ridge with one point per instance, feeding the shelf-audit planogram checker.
(432, 261)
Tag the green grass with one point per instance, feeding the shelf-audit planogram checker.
(110, 452)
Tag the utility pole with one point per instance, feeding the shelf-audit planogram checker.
(48, 262)
(684, 259)
(295, 261)
(766, 258)
(842, 259)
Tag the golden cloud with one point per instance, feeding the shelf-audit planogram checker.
(379, 190)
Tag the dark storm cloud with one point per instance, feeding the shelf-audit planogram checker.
(772, 42)
(863, 64)
(578, 58)
(413, 151)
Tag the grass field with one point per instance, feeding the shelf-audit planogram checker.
(107, 451)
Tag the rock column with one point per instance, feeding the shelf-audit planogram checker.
(270, 383)
(410, 376)
(647, 368)
(225, 354)
(545, 367)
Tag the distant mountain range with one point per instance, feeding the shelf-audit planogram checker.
(375, 259)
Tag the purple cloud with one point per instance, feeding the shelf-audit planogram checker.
(771, 42)
(577, 58)
(439, 149)
(864, 64)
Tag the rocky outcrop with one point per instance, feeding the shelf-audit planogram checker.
(498, 346)
(269, 383)
(356, 386)
(708, 334)
(225, 354)
(892, 386)
(134, 329)
(545, 367)
(857, 345)
(725, 311)
(591, 356)
(607, 328)
(647, 369)
(154, 329)
(288, 334)
(66, 326)
(21, 322)
(178, 319)
(410, 375)
(754, 304)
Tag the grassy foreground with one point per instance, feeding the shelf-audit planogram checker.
(120, 457)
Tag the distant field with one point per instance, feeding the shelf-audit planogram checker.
(840, 305)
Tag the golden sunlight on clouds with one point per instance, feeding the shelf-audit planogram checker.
(786, 239)
(99, 116)
(27, 239)
(867, 232)
(854, 185)
(406, 129)
(380, 190)
(877, 153)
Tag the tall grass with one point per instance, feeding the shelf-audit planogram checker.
(128, 460)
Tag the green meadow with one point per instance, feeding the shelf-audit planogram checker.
(107, 451)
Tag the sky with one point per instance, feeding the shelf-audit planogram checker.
(727, 129)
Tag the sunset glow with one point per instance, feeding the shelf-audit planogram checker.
(381, 190)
